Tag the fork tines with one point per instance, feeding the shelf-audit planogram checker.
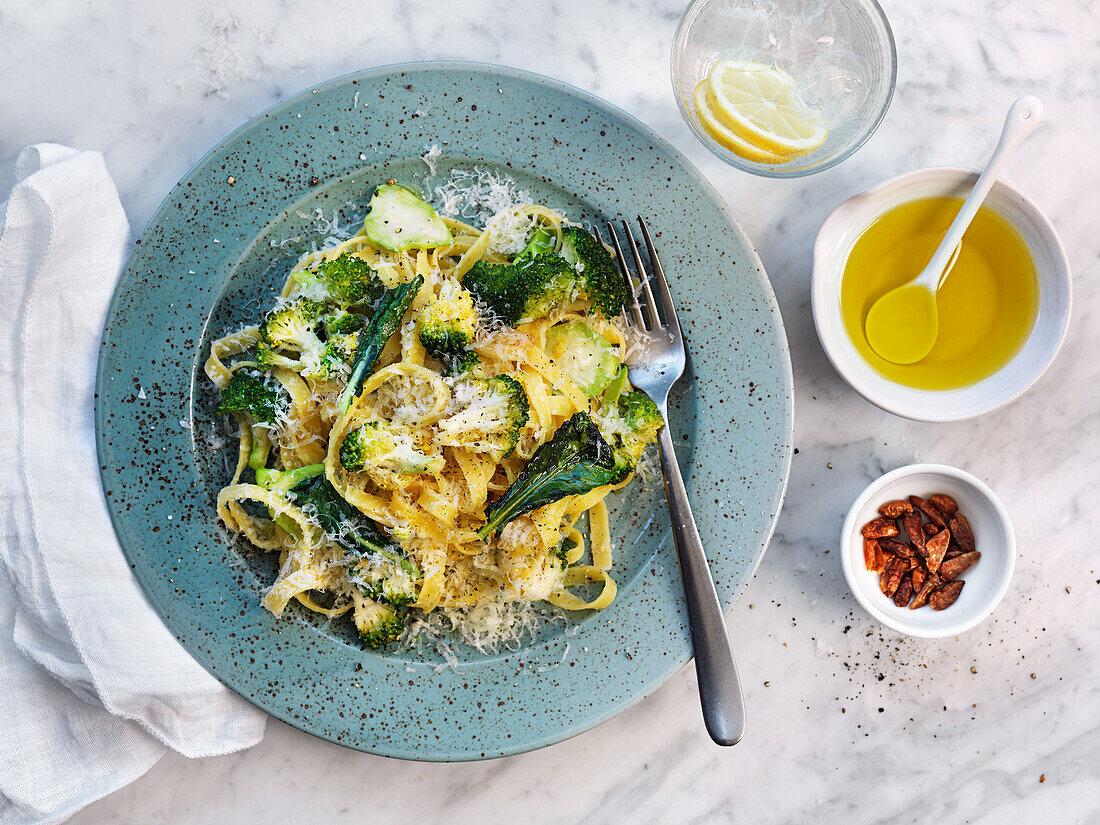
(659, 311)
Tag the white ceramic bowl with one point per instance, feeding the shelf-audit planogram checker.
(834, 243)
(986, 582)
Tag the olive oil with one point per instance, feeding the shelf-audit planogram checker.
(987, 307)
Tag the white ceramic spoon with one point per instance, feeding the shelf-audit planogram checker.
(903, 324)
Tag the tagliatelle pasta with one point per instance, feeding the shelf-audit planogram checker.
(431, 518)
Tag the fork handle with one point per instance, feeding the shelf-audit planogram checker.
(719, 686)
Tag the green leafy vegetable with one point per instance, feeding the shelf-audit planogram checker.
(372, 339)
(378, 567)
(576, 460)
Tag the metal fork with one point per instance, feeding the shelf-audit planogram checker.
(654, 371)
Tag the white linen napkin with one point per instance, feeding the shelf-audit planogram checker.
(94, 687)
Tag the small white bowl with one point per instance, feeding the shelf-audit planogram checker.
(834, 243)
(986, 582)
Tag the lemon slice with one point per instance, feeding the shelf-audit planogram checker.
(727, 138)
(756, 102)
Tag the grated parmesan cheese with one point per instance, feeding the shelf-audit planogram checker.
(487, 628)
(508, 231)
(215, 441)
(648, 471)
(430, 157)
(218, 62)
(282, 245)
(329, 228)
(477, 195)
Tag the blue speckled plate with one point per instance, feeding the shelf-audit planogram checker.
(217, 250)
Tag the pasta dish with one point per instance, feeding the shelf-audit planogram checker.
(427, 412)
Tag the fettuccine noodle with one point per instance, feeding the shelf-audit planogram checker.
(433, 516)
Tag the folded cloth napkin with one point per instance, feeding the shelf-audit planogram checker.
(95, 688)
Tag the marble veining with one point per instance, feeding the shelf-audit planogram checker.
(848, 721)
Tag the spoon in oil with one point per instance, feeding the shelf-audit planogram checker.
(903, 324)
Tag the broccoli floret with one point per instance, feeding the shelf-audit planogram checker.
(378, 624)
(447, 323)
(290, 327)
(577, 459)
(392, 307)
(341, 349)
(524, 290)
(293, 327)
(630, 424)
(258, 402)
(603, 283)
(386, 577)
(464, 364)
(490, 412)
(347, 281)
(249, 392)
(381, 445)
(343, 323)
(337, 357)
(341, 343)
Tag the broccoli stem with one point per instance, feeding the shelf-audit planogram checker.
(383, 324)
(261, 447)
(290, 527)
(611, 395)
(280, 481)
(397, 559)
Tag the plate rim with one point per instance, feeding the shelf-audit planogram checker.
(660, 143)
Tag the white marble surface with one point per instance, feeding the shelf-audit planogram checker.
(849, 722)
